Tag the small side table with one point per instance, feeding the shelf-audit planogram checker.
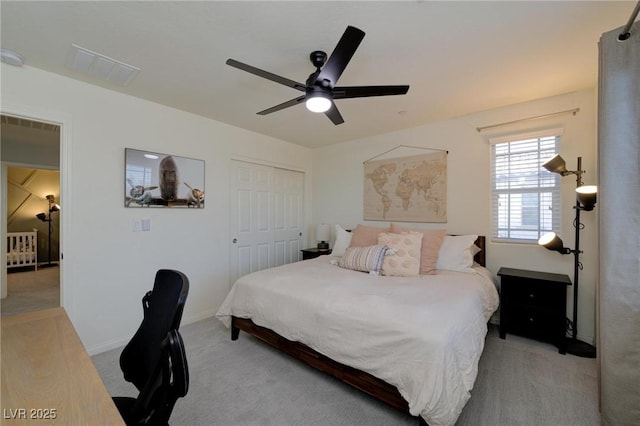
(534, 304)
(312, 253)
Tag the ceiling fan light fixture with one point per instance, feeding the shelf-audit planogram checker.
(318, 102)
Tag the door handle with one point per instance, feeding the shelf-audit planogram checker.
(235, 240)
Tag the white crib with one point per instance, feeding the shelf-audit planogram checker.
(22, 249)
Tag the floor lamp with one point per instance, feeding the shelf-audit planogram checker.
(53, 207)
(586, 196)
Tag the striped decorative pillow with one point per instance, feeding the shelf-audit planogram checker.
(365, 259)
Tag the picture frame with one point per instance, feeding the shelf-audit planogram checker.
(153, 180)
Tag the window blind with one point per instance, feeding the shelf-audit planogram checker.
(525, 196)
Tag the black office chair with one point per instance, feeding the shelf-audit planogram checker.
(170, 381)
(144, 354)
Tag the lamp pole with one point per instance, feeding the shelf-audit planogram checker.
(49, 220)
(575, 346)
(576, 254)
(50, 230)
(576, 270)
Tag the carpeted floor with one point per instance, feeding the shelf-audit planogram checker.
(246, 382)
(31, 290)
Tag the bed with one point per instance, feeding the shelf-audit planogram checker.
(22, 249)
(412, 342)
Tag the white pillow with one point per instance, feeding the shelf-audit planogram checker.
(343, 239)
(456, 253)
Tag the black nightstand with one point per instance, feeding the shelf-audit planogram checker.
(534, 304)
(312, 253)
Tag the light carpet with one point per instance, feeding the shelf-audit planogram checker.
(31, 290)
(246, 382)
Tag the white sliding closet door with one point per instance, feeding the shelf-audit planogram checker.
(266, 217)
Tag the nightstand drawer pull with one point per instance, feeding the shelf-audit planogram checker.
(531, 320)
(532, 296)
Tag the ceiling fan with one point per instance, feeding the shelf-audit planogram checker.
(320, 89)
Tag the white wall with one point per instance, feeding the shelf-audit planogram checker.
(107, 268)
(338, 184)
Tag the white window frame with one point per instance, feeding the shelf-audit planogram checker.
(517, 174)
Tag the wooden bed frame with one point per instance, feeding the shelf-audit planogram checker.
(366, 382)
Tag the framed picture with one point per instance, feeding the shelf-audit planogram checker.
(160, 180)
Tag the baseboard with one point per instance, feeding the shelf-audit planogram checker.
(190, 319)
(120, 342)
(107, 346)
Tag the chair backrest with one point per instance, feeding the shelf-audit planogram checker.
(169, 382)
(162, 309)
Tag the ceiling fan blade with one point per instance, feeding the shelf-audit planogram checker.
(340, 57)
(344, 92)
(292, 102)
(266, 74)
(334, 115)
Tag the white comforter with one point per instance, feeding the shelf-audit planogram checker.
(423, 335)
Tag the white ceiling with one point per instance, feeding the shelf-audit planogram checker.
(458, 57)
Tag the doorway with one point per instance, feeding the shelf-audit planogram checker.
(32, 205)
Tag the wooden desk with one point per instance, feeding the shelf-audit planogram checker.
(48, 376)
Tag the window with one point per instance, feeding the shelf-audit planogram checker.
(138, 175)
(525, 196)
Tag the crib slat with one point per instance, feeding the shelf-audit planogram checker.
(22, 249)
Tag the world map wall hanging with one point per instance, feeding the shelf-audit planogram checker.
(406, 189)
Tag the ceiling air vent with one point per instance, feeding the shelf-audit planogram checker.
(100, 66)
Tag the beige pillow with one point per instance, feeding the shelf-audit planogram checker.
(431, 241)
(365, 236)
(403, 257)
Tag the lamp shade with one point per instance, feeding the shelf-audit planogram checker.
(551, 241)
(587, 195)
(323, 232)
(556, 164)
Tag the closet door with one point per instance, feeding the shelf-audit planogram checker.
(265, 217)
(288, 205)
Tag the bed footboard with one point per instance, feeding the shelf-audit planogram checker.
(367, 383)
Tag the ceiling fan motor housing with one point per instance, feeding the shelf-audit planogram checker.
(313, 91)
(318, 58)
